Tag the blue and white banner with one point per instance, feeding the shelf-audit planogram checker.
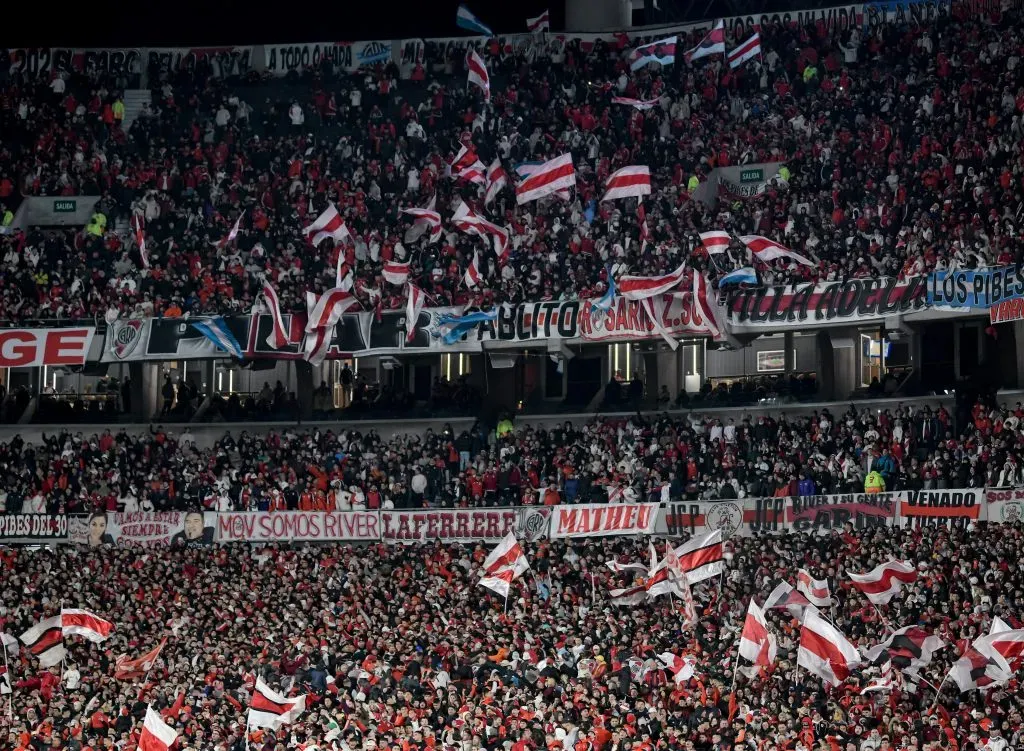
(975, 288)
(217, 331)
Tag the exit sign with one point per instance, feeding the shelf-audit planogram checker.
(752, 176)
(65, 207)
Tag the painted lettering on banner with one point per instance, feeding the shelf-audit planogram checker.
(765, 515)
(919, 508)
(33, 528)
(835, 302)
(697, 517)
(822, 514)
(283, 58)
(601, 520)
(22, 348)
(144, 529)
(975, 288)
(231, 60)
(1004, 505)
(450, 525)
(298, 526)
(905, 12)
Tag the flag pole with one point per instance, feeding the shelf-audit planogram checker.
(938, 692)
(7, 672)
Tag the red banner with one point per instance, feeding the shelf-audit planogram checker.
(599, 520)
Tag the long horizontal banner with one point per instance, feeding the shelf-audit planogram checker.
(20, 348)
(280, 59)
(817, 515)
(975, 288)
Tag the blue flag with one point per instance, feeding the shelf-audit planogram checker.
(217, 331)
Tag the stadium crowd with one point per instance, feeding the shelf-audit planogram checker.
(657, 458)
(399, 648)
(899, 145)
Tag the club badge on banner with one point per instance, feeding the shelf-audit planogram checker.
(464, 525)
(698, 517)
(144, 529)
(298, 526)
(921, 508)
(33, 528)
(1004, 505)
(604, 519)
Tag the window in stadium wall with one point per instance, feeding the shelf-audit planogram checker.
(341, 381)
(873, 353)
(454, 365)
(621, 361)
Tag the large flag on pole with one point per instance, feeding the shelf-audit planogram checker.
(269, 709)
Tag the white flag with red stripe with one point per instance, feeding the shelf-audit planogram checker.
(269, 303)
(641, 287)
(232, 234)
(815, 590)
(138, 228)
(395, 273)
(505, 564)
(757, 643)
(746, 51)
(554, 175)
(329, 308)
(888, 680)
(468, 221)
(74, 622)
(766, 250)
(426, 219)
(628, 182)
(472, 277)
(269, 709)
(478, 74)
(715, 242)
(702, 557)
(640, 104)
(329, 225)
(539, 23)
(682, 668)
(824, 651)
(467, 166)
(883, 582)
(1007, 641)
(413, 306)
(157, 735)
(497, 179)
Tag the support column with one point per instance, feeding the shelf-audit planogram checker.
(651, 379)
(789, 354)
(304, 387)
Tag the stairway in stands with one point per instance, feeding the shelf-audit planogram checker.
(134, 100)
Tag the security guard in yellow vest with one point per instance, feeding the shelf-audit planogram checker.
(8, 217)
(97, 224)
(118, 108)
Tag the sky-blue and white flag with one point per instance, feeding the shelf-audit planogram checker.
(217, 331)
(464, 19)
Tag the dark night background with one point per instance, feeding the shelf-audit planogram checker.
(153, 23)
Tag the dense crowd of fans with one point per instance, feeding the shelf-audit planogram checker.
(899, 144)
(400, 648)
(658, 458)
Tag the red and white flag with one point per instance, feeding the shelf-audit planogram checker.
(74, 622)
(883, 582)
(269, 709)
(157, 735)
(497, 179)
(632, 595)
(430, 219)
(395, 273)
(468, 221)
(467, 166)
(5, 680)
(712, 44)
(138, 228)
(766, 250)
(45, 640)
(329, 309)
(640, 104)
(317, 345)
(888, 680)
(784, 596)
(126, 669)
(641, 287)
(715, 242)
(472, 277)
(628, 182)
(478, 74)
(645, 231)
(824, 651)
(702, 305)
(1008, 642)
(552, 176)
(505, 564)
(413, 305)
(815, 590)
(746, 51)
(270, 303)
(232, 234)
(539, 23)
(329, 225)
(757, 644)
(682, 668)
(702, 557)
